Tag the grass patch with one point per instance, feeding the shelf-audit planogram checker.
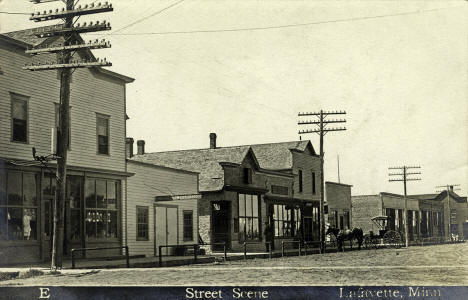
(30, 273)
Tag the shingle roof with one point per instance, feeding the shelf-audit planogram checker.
(277, 156)
(205, 161)
(273, 156)
(26, 36)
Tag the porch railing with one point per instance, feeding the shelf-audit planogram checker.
(127, 257)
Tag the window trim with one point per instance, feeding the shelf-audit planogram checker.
(19, 97)
(107, 117)
(186, 212)
(146, 208)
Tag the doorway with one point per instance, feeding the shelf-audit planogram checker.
(220, 214)
(165, 228)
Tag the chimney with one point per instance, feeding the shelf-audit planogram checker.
(141, 147)
(129, 147)
(451, 188)
(212, 140)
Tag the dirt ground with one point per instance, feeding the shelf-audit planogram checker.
(430, 265)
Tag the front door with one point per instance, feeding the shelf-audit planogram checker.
(220, 225)
(166, 228)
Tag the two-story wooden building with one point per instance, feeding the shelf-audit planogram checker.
(244, 201)
(338, 206)
(96, 161)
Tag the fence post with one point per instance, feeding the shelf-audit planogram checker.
(300, 250)
(282, 249)
(127, 256)
(269, 250)
(160, 256)
(73, 258)
(225, 252)
(195, 252)
(245, 250)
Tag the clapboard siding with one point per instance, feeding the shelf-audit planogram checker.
(91, 93)
(308, 164)
(142, 188)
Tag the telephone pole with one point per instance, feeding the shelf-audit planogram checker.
(321, 123)
(405, 173)
(449, 187)
(65, 51)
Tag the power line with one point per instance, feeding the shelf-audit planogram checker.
(13, 13)
(276, 26)
(147, 17)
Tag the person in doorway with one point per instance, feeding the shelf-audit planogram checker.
(268, 232)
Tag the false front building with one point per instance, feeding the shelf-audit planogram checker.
(96, 157)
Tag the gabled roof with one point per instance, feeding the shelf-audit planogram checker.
(205, 161)
(278, 156)
(26, 38)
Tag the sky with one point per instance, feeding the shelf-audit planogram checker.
(245, 69)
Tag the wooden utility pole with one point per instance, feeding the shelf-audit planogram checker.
(322, 130)
(405, 178)
(65, 51)
(448, 188)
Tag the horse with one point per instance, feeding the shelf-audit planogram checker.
(343, 235)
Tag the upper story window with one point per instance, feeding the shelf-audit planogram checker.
(247, 175)
(314, 191)
(19, 118)
(102, 132)
(300, 181)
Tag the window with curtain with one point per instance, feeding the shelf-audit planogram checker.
(19, 118)
(102, 131)
(249, 220)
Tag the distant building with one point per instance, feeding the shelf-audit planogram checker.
(338, 205)
(428, 214)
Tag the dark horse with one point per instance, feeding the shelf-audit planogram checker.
(343, 235)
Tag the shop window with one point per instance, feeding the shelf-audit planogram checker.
(188, 226)
(100, 218)
(248, 217)
(18, 205)
(19, 118)
(142, 223)
(283, 217)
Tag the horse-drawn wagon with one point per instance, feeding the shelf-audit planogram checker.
(387, 238)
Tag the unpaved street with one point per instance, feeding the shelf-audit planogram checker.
(430, 265)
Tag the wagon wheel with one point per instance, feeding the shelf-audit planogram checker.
(368, 242)
(392, 239)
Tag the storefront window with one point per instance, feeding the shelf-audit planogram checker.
(18, 214)
(283, 220)
(101, 208)
(248, 217)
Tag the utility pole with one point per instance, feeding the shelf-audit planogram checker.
(405, 178)
(65, 51)
(321, 123)
(448, 187)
